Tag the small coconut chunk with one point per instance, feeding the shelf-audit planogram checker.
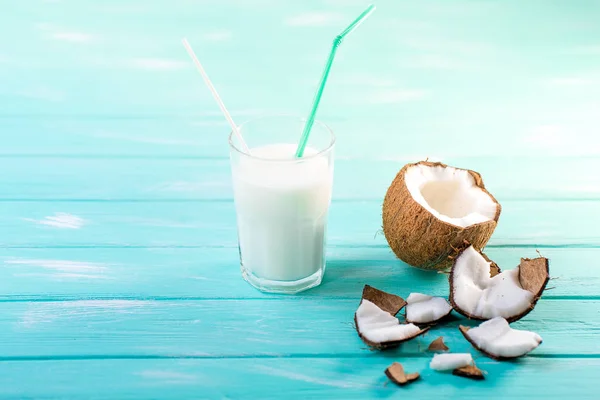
(386, 301)
(470, 371)
(423, 309)
(438, 345)
(497, 339)
(397, 375)
(447, 362)
(450, 194)
(378, 327)
(475, 293)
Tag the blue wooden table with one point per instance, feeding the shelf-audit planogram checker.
(119, 273)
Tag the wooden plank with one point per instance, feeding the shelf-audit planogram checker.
(204, 134)
(202, 224)
(532, 178)
(291, 378)
(213, 273)
(294, 378)
(269, 327)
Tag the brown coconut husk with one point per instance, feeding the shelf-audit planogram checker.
(386, 301)
(397, 375)
(420, 239)
(534, 275)
(469, 371)
(438, 345)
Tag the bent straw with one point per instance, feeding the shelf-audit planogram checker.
(212, 89)
(336, 42)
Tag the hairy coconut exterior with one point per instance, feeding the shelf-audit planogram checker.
(420, 239)
(534, 275)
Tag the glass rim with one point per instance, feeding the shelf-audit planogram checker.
(320, 153)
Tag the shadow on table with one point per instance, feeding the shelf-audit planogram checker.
(346, 278)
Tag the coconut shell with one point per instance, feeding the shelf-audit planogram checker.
(438, 345)
(386, 301)
(420, 239)
(464, 329)
(534, 275)
(494, 268)
(387, 345)
(397, 375)
(470, 371)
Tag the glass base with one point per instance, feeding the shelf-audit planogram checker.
(285, 287)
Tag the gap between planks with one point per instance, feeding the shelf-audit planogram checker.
(391, 355)
(233, 299)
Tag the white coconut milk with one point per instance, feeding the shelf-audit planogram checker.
(282, 211)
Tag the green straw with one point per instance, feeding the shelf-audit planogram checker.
(336, 43)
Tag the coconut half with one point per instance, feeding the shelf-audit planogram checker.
(447, 362)
(479, 291)
(423, 309)
(431, 208)
(496, 339)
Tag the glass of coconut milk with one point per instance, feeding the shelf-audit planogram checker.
(282, 202)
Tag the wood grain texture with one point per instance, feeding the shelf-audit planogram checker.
(326, 378)
(276, 327)
(107, 178)
(212, 224)
(213, 273)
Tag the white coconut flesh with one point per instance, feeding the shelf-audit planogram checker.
(378, 326)
(423, 309)
(496, 338)
(450, 194)
(447, 362)
(478, 295)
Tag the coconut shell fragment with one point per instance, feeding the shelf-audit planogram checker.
(534, 274)
(428, 213)
(438, 345)
(470, 371)
(376, 323)
(397, 375)
(497, 340)
(380, 330)
(479, 290)
(386, 301)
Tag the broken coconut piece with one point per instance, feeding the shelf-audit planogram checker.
(423, 309)
(446, 362)
(470, 371)
(496, 339)
(438, 345)
(386, 301)
(430, 209)
(397, 375)
(380, 329)
(476, 294)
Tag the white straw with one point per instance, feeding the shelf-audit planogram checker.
(234, 127)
